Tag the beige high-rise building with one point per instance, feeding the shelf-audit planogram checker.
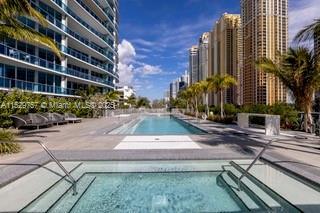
(265, 34)
(210, 64)
(225, 53)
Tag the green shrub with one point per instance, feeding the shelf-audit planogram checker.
(214, 109)
(225, 120)
(230, 109)
(201, 108)
(7, 146)
(288, 114)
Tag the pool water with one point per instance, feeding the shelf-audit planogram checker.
(157, 192)
(158, 125)
(159, 186)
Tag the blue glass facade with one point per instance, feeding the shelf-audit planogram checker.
(88, 45)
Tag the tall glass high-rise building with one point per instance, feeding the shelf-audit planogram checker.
(265, 34)
(203, 56)
(194, 64)
(86, 32)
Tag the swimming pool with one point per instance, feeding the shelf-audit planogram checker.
(157, 125)
(159, 186)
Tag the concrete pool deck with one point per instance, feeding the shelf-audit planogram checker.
(88, 141)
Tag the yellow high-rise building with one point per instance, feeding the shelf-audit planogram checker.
(265, 34)
(225, 55)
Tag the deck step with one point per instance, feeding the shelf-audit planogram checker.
(68, 200)
(18, 194)
(270, 197)
(248, 201)
(48, 197)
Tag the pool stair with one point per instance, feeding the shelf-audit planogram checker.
(61, 190)
(254, 194)
(33, 185)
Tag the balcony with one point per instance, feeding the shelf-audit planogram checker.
(76, 17)
(104, 23)
(10, 83)
(85, 58)
(31, 59)
(75, 35)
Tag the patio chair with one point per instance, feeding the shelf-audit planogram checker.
(55, 118)
(20, 121)
(39, 118)
(71, 118)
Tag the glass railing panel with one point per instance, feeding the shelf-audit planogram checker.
(17, 54)
(35, 87)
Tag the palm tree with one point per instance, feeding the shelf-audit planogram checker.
(185, 95)
(220, 83)
(88, 92)
(10, 27)
(112, 96)
(206, 87)
(309, 32)
(196, 91)
(132, 101)
(299, 70)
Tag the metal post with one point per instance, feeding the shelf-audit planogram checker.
(73, 181)
(245, 173)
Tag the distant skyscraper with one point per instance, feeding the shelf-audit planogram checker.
(227, 54)
(194, 64)
(210, 63)
(265, 34)
(203, 56)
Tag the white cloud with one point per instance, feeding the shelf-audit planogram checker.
(130, 68)
(302, 14)
(143, 42)
(147, 69)
(126, 52)
(125, 74)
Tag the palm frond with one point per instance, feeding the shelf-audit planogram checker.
(22, 33)
(16, 8)
(308, 32)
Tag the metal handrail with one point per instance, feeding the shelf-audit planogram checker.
(73, 181)
(245, 173)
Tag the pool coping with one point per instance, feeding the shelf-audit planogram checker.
(15, 171)
(12, 172)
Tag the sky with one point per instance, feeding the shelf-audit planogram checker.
(155, 36)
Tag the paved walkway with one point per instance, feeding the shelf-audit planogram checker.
(295, 151)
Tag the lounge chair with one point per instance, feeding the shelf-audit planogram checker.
(71, 118)
(55, 118)
(39, 118)
(30, 120)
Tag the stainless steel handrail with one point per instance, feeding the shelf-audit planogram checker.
(245, 173)
(73, 181)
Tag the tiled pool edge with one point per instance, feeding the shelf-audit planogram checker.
(15, 171)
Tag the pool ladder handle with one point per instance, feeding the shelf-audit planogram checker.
(245, 173)
(73, 181)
